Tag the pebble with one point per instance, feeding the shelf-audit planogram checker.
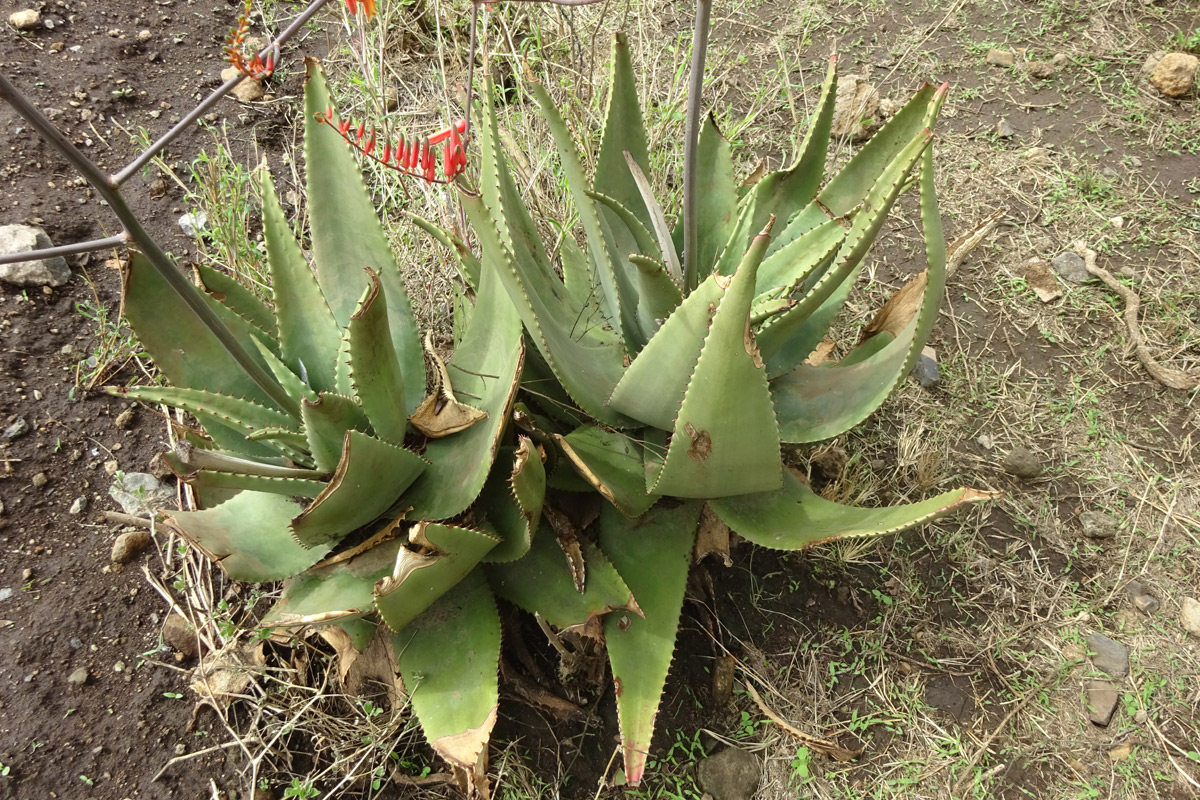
(78, 507)
(25, 20)
(16, 430)
(51, 271)
(192, 224)
(1108, 655)
(1102, 699)
(1175, 74)
(1097, 525)
(1189, 616)
(247, 91)
(732, 774)
(1001, 58)
(1040, 69)
(40, 480)
(124, 419)
(926, 372)
(179, 635)
(119, 666)
(79, 677)
(129, 544)
(144, 36)
(1142, 601)
(854, 110)
(140, 493)
(1070, 266)
(1005, 130)
(1022, 462)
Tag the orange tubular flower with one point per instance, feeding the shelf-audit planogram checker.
(368, 7)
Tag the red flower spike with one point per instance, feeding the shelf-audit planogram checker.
(328, 112)
(368, 7)
(387, 152)
(370, 144)
(461, 126)
(343, 127)
(448, 160)
(362, 127)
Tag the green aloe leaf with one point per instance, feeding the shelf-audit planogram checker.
(308, 333)
(326, 423)
(334, 591)
(369, 477)
(242, 415)
(652, 387)
(449, 659)
(164, 322)
(541, 583)
(240, 300)
(792, 335)
(290, 381)
(616, 276)
(624, 132)
(485, 370)
(513, 498)
(788, 267)
(652, 554)
(641, 239)
(248, 537)
(206, 480)
(374, 369)
(186, 459)
(726, 440)
(716, 196)
(796, 517)
(658, 294)
(468, 264)
(437, 559)
(666, 245)
(612, 463)
(781, 194)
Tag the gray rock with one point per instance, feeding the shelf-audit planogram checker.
(1005, 130)
(140, 493)
(926, 372)
(1069, 265)
(1040, 69)
(1102, 698)
(5, 593)
(129, 544)
(1142, 601)
(1189, 616)
(1001, 58)
(1108, 655)
(854, 110)
(1097, 525)
(40, 480)
(732, 774)
(78, 507)
(192, 224)
(78, 678)
(15, 430)
(38, 272)
(1022, 462)
(1151, 62)
(178, 634)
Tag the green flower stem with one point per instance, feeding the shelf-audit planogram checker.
(691, 144)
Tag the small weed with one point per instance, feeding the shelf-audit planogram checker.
(1189, 42)
(301, 789)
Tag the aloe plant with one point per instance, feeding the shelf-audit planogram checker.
(667, 389)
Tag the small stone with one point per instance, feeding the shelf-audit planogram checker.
(1117, 222)
(1151, 62)
(391, 99)
(40, 480)
(180, 749)
(1040, 69)
(854, 110)
(129, 544)
(140, 493)
(985, 441)
(1005, 130)
(192, 224)
(1069, 265)
(732, 774)
(111, 467)
(178, 634)
(144, 36)
(1175, 74)
(926, 372)
(1141, 716)
(1059, 60)
(79, 677)
(15, 431)
(247, 91)
(1001, 58)
(37, 272)
(78, 507)
(119, 666)
(1102, 699)
(124, 419)
(1127, 272)
(1189, 616)
(1120, 752)
(25, 20)
(1022, 462)
(1142, 601)
(1097, 525)
(1108, 655)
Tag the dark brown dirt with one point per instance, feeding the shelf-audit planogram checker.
(67, 609)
